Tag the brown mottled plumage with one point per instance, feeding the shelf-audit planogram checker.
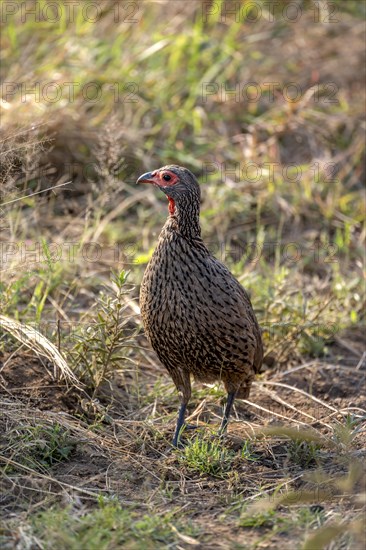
(197, 316)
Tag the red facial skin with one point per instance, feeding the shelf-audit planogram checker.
(157, 178)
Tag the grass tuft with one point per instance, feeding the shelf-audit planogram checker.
(207, 457)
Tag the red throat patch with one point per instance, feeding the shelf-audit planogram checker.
(171, 206)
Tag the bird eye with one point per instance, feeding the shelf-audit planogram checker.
(166, 177)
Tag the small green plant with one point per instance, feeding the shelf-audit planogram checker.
(345, 433)
(110, 525)
(303, 518)
(10, 295)
(247, 451)
(261, 519)
(40, 446)
(207, 456)
(312, 346)
(303, 453)
(104, 344)
(49, 276)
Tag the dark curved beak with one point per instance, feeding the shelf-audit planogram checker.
(146, 178)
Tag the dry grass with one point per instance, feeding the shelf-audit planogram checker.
(32, 339)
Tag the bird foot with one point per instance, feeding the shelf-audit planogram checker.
(179, 442)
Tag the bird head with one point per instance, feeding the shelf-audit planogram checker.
(178, 184)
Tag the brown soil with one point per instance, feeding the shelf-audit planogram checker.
(29, 379)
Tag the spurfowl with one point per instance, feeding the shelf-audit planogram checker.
(197, 316)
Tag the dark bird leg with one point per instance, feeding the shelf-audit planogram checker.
(184, 387)
(228, 407)
(180, 423)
